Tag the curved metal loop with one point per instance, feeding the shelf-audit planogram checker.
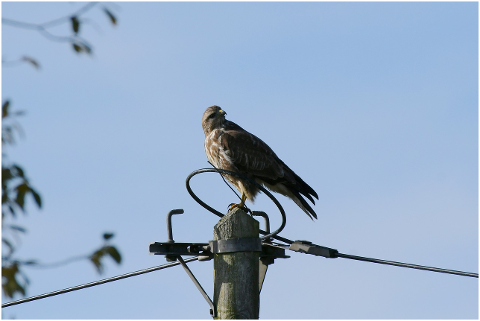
(214, 211)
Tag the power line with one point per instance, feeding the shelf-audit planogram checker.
(307, 247)
(407, 265)
(304, 246)
(88, 285)
(297, 246)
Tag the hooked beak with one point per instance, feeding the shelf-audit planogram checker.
(222, 112)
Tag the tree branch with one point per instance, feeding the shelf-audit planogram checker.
(42, 27)
(48, 24)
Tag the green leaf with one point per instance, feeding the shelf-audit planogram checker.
(75, 24)
(107, 236)
(97, 256)
(95, 259)
(10, 285)
(19, 170)
(5, 198)
(36, 197)
(82, 47)
(6, 174)
(77, 47)
(22, 190)
(112, 18)
(5, 106)
(114, 254)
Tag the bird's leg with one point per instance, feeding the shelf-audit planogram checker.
(242, 201)
(241, 205)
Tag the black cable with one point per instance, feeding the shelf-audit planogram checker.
(317, 250)
(225, 181)
(87, 285)
(312, 248)
(219, 214)
(407, 265)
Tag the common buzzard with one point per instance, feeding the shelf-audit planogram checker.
(230, 147)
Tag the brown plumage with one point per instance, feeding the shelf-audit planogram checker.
(230, 147)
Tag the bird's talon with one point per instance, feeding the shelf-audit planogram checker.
(240, 206)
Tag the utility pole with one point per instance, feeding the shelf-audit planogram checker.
(236, 266)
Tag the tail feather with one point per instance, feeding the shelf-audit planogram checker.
(302, 203)
(304, 188)
(292, 187)
(309, 197)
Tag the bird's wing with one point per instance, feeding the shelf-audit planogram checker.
(251, 155)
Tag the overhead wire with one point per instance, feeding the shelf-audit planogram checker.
(91, 284)
(251, 181)
(332, 253)
(407, 265)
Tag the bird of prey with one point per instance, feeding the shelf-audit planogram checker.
(230, 147)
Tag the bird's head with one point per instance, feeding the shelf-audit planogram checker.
(213, 118)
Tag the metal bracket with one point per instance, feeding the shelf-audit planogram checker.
(213, 311)
(205, 251)
(265, 216)
(267, 256)
(172, 250)
(169, 223)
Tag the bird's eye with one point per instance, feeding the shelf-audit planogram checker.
(211, 116)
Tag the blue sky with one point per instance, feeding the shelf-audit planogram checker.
(373, 104)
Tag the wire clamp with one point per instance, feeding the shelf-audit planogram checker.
(308, 247)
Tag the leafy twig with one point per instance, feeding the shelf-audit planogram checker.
(79, 44)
